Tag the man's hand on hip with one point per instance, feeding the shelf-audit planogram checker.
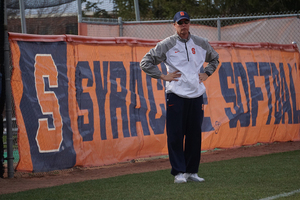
(202, 77)
(171, 76)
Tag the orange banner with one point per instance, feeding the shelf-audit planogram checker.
(256, 92)
(83, 101)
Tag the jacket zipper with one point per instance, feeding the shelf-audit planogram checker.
(187, 53)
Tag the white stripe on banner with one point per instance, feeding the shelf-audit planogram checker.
(282, 195)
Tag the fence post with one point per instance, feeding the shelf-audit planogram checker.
(22, 14)
(137, 10)
(120, 22)
(9, 139)
(79, 11)
(219, 28)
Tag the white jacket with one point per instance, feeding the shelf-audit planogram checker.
(186, 56)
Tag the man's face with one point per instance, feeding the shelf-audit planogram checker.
(182, 27)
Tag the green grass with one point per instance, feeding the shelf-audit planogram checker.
(292, 197)
(241, 179)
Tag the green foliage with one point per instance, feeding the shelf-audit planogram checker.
(95, 7)
(227, 7)
(243, 178)
(163, 9)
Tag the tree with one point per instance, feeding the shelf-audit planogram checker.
(126, 10)
(161, 9)
(255, 6)
(164, 9)
(94, 7)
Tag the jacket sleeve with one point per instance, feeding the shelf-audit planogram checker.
(150, 61)
(212, 57)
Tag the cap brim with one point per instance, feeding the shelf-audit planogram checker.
(182, 18)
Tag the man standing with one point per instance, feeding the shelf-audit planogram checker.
(183, 55)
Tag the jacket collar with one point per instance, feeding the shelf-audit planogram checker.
(181, 39)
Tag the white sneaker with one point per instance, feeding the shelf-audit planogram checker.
(193, 177)
(179, 178)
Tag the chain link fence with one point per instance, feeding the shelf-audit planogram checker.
(46, 20)
(281, 28)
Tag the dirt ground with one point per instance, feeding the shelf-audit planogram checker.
(26, 181)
